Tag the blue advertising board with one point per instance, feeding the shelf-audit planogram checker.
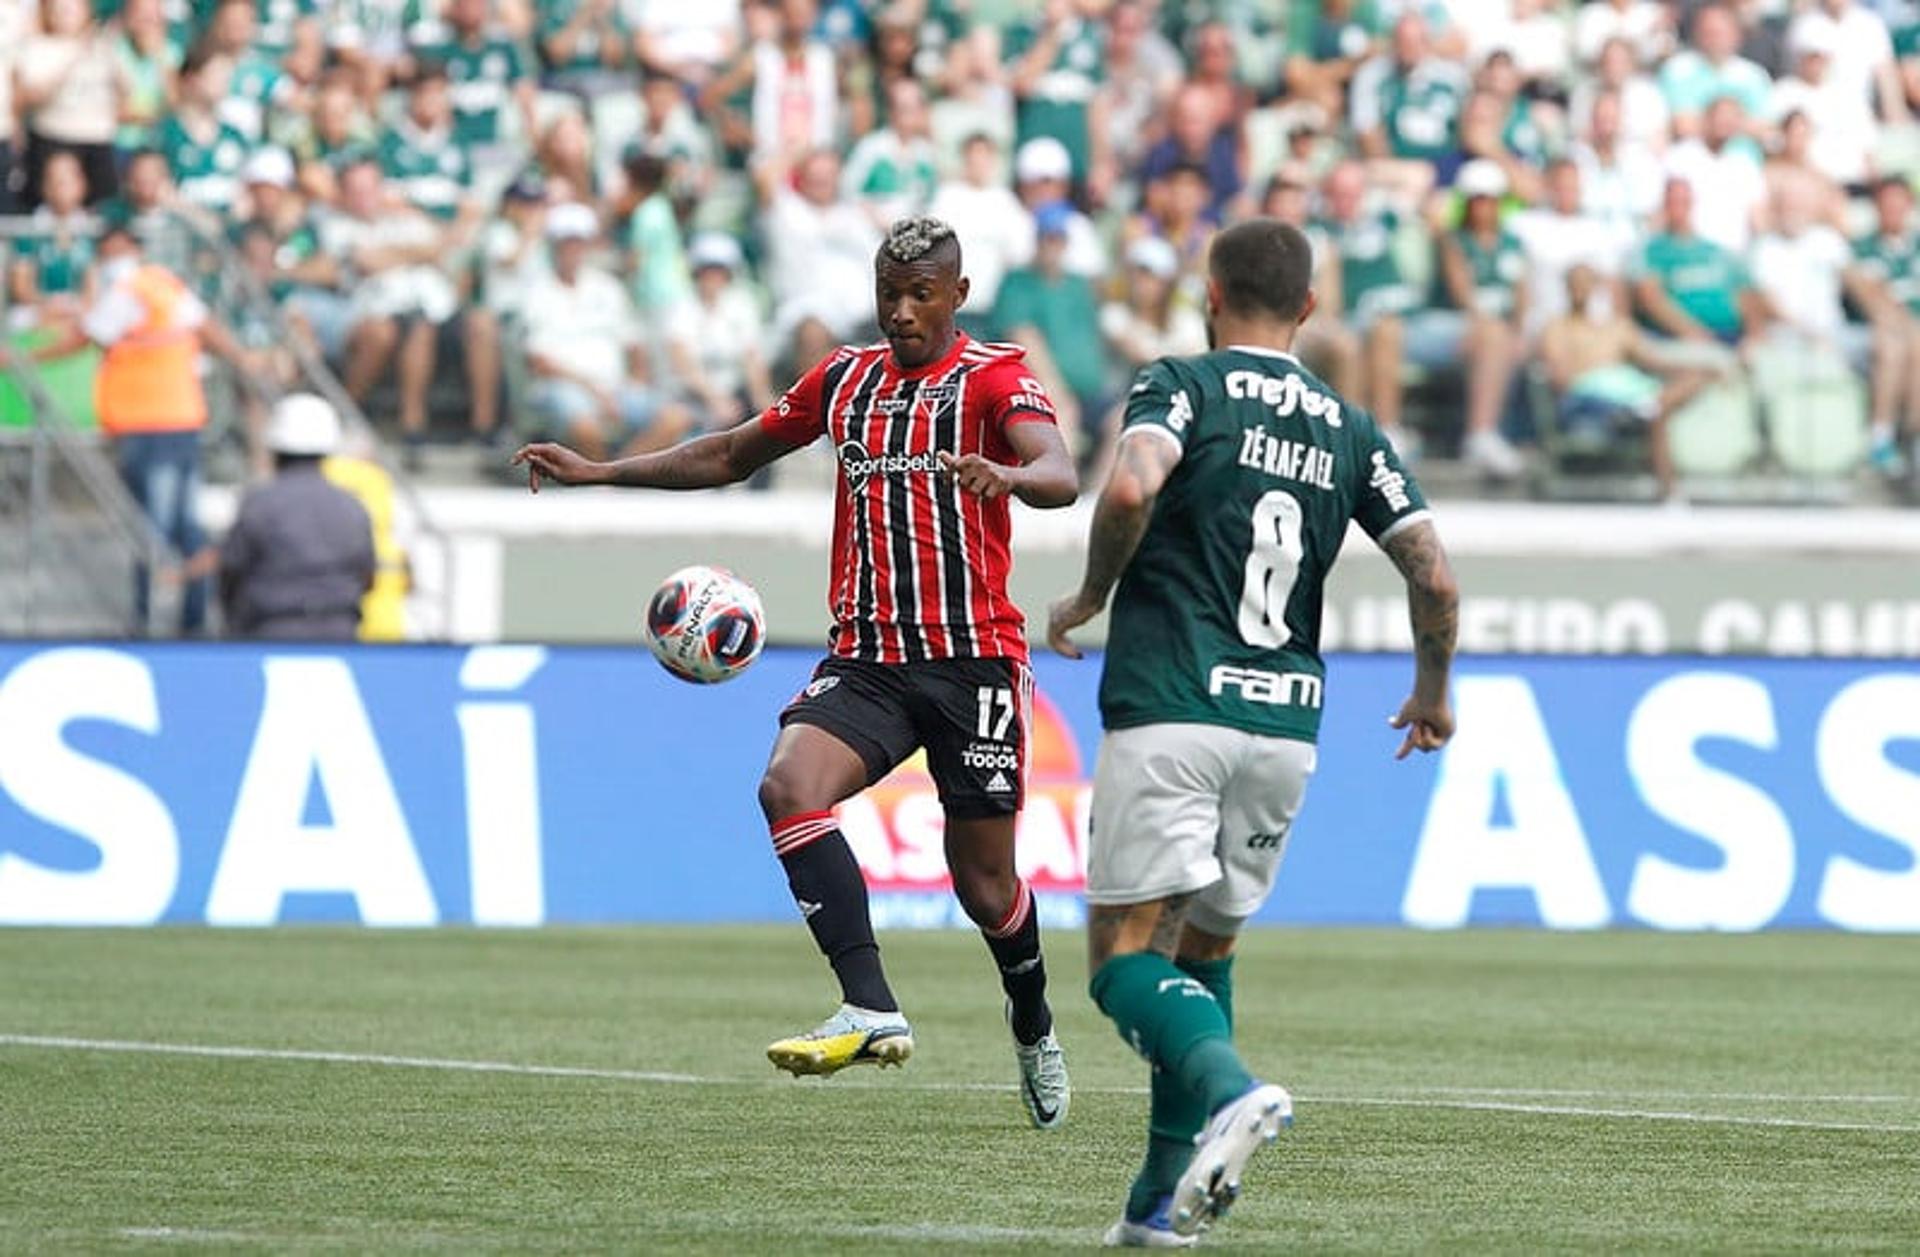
(240, 784)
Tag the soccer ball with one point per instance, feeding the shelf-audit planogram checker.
(704, 624)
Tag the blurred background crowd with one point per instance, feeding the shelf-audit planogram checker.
(1641, 248)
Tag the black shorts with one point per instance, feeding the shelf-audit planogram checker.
(970, 714)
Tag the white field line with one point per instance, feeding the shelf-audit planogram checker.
(1584, 1093)
(229, 1052)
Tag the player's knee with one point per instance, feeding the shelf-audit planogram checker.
(784, 794)
(986, 895)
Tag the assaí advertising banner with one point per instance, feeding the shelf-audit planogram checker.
(237, 784)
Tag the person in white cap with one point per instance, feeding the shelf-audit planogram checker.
(1043, 176)
(717, 337)
(300, 554)
(1482, 298)
(587, 354)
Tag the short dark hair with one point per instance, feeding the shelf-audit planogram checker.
(1263, 267)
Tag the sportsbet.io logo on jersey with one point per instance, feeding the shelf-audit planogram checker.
(860, 466)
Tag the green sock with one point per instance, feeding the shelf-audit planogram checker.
(1174, 1021)
(1177, 1113)
(1167, 1160)
(1217, 977)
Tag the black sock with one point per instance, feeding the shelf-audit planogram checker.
(1015, 944)
(832, 895)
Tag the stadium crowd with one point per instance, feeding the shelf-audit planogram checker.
(620, 221)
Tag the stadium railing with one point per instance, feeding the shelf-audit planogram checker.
(71, 536)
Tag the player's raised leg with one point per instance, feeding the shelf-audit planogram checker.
(972, 716)
(980, 857)
(810, 771)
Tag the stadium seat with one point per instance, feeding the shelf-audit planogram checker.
(1816, 411)
(1715, 434)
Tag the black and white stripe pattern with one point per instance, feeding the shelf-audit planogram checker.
(956, 581)
(897, 507)
(860, 588)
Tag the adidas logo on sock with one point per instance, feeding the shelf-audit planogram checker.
(807, 907)
(998, 784)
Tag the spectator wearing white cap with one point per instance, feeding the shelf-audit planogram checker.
(1482, 296)
(988, 217)
(303, 279)
(1043, 176)
(587, 354)
(717, 339)
(300, 555)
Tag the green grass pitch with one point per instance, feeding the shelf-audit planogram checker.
(1468, 1093)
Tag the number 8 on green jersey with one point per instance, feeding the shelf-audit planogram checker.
(1217, 618)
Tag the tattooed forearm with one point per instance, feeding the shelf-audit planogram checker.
(1433, 602)
(1120, 518)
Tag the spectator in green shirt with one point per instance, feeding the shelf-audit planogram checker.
(421, 155)
(204, 152)
(50, 281)
(1058, 66)
(1406, 104)
(1690, 288)
(584, 44)
(1482, 295)
(1358, 236)
(1054, 315)
(488, 72)
(1888, 291)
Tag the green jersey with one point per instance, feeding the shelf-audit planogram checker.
(588, 52)
(1371, 284)
(1895, 262)
(60, 252)
(205, 164)
(483, 75)
(1495, 272)
(431, 170)
(1058, 102)
(1702, 278)
(1217, 619)
(1417, 109)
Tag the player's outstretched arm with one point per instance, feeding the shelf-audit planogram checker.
(1140, 469)
(1433, 603)
(702, 463)
(1043, 478)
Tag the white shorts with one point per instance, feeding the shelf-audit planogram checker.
(1180, 808)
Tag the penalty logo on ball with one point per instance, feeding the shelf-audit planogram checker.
(705, 624)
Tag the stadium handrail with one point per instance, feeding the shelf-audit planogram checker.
(52, 434)
(240, 291)
(237, 283)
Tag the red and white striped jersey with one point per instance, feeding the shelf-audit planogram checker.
(919, 567)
